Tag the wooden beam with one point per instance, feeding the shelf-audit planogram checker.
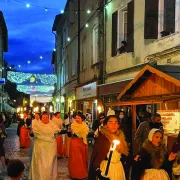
(126, 103)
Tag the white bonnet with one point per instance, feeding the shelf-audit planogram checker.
(151, 133)
(110, 112)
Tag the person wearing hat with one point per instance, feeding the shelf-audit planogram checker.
(153, 162)
(98, 123)
(144, 129)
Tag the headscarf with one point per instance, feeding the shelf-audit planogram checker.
(151, 133)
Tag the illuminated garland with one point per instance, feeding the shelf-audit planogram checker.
(28, 89)
(46, 78)
(19, 77)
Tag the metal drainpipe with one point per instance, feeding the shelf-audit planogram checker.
(79, 41)
(104, 41)
(104, 47)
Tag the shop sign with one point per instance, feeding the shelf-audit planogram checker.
(86, 91)
(170, 120)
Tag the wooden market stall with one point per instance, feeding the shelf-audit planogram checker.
(156, 85)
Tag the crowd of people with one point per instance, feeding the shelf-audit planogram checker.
(51, 138)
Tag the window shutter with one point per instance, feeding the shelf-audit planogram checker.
(130, 27)
(169, 15)
(151, 19)
(114, 34)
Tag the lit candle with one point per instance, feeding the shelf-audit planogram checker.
(115, 142)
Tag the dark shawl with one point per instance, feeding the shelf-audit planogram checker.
(100, 151)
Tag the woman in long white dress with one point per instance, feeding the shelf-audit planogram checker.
(44, 157)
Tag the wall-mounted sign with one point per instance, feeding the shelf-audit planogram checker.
(87, 91)
(2, 81)
(170, 120)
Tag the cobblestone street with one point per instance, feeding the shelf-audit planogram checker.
(14, 152)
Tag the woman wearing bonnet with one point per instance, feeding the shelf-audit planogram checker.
(153, 161)
(109, 132)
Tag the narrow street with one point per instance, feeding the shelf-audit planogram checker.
(14, 152)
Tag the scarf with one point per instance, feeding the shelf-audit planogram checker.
(81, 130)
(119, 135)
(58, 122)
(157, 153)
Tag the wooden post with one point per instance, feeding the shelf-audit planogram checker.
(133, 126)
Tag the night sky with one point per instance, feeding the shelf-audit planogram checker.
(30, 34)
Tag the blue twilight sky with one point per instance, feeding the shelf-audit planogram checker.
(30, 34)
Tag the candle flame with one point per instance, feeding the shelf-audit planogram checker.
(116, 142)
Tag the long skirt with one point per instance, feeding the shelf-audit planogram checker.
(24, 138)
(66, 145)
(78, 159)
(31, 147)
(59, 141)
(116, 170)
(155, 174)
(44, 161)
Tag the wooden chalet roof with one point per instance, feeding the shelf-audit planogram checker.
(153, 81)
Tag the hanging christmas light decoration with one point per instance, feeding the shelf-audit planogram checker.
(19, 77)
(28, 89)
(47, 78)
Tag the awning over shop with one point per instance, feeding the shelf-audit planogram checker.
(153, 84)
(112, 88)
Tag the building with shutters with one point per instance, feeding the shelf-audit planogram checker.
(150, 29)
(78, 58)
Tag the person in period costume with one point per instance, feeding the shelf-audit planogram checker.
(78, 152)
(34, 121)
(153, 162)
(99, 158)
(98, 123)
(23, 131)
(44, 157)
(59, 123)
(67, 139)
(144, 129)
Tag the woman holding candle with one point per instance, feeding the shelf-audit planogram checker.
(102, 150)
(78, 152)
(153, 161)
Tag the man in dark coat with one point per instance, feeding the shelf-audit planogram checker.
(145, 127)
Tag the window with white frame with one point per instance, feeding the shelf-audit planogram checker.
(167, 17)
(122, 26)
(84, 53)
(66, 70)
(62, 75)
(59, 79)
(73, 61)
(64, 39)
(125, 25)
(95, 44)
